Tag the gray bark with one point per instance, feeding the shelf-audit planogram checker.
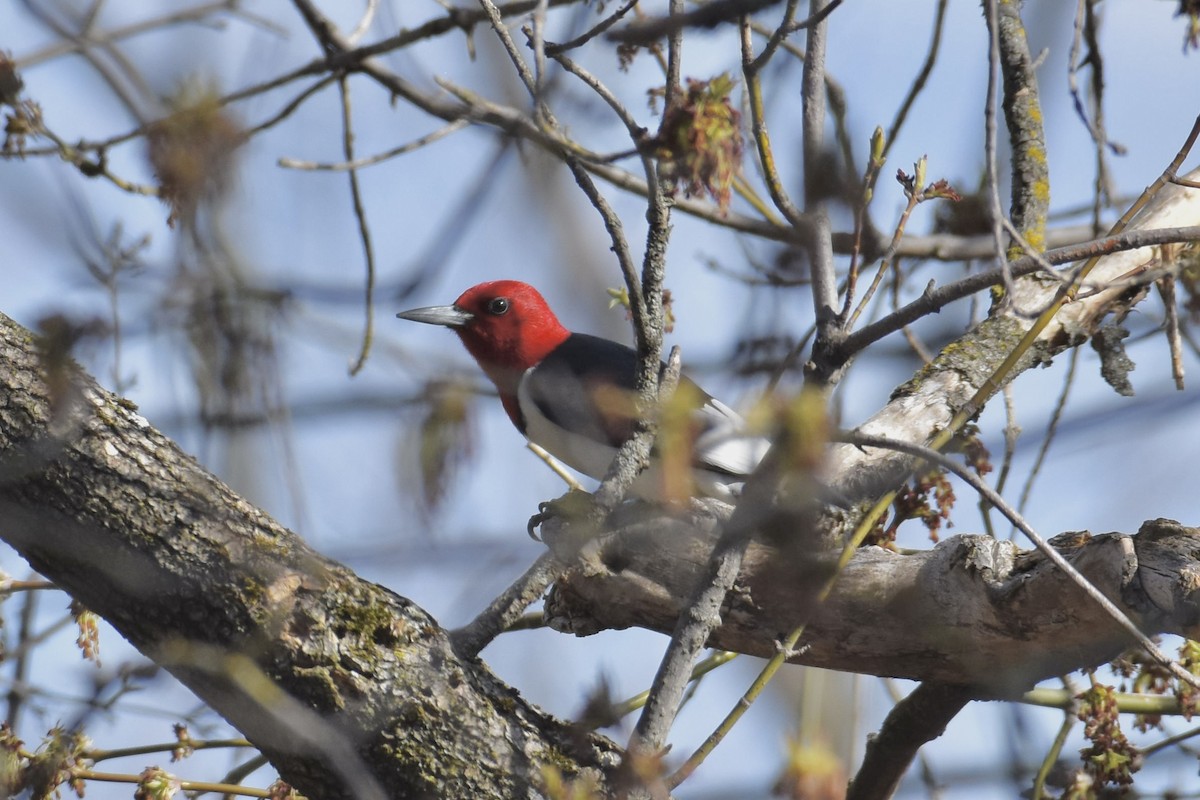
(972, 610)
(349, 689)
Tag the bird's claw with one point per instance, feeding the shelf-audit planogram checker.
(544, 513)
(571, 506)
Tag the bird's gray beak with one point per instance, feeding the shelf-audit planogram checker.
(447, 316)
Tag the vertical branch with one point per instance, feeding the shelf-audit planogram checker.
(1087, 28)
(674, 55)
(824, 281)
(758, 130)
(918, 84)
(702, 612)
(364, 232)
(1023, 115)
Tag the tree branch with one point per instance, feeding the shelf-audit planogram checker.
(972, 610)
(343, 685)
(915, 720)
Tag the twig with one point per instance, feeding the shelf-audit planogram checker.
(364, 22)
(920, 80)
(933, 299)
(709, 15)
(674, 55)
(20, 656)
(1166, 287)
(496, 19)
(101, 38)
(556, 467)
(1086, 27)
(364, 231)
(1012, 432)
(758, 130)
(702, 668)
(910, 335)
(370, 161)
(1051, 428)
(812, 91)
(777, 37)
(885, 261)
(1060, 739)
(537, 42)
(506, 609)
(990, 135)
(600, 27)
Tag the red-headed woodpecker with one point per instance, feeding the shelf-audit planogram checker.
(572, 393)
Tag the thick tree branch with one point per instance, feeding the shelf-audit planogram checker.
(972, 610)
(350, 690)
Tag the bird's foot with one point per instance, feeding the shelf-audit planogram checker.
(572, 506)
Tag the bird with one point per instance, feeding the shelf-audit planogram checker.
(574, 394)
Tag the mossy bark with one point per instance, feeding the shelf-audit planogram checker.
(349, 689)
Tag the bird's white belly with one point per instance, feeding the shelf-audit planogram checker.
(593, 458)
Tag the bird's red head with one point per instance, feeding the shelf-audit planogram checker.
(505, 325)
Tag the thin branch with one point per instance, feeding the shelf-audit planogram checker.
(1056, 416)
(1166, 288)
(370, 161)
(364, 22)
(364, 231)
(494, 16)
(777, 37)
(1051, 758)
(920, 80)
(100, 38)
(933, 300)
(990, 159)
(674, 55)
(709, 15)
(600, 27)
(758, 130)
(506, 609)
(824, 278)
(291, 106)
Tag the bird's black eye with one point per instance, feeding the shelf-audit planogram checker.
(498, 306)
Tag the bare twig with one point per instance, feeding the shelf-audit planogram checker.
(508, 607)
(379, 158)
(920, 80)
(824, 278)
(1166, 288)
(709, 15)
(364, 231)
(1051, 429)
(758, 130)
(497, 20)
(934, 299)
(990, 135)
(600, 27)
